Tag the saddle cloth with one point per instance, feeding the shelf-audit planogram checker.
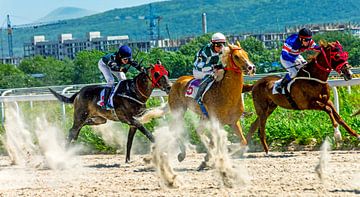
(277, 83)
(102, 94)
(193, 88)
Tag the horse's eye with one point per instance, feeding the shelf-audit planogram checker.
(156, 74)
(337, 56)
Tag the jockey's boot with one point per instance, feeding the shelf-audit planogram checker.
(283, 83)
(107, 93)
(205, 81)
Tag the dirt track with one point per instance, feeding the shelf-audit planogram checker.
(281, 174)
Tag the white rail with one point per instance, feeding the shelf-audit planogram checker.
(156, 93)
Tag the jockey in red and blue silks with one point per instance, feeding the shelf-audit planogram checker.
(290, 56)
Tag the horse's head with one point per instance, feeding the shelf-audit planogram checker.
(159, 77)
(237, 59)
(335, 58)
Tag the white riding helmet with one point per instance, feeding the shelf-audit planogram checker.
(218, 38)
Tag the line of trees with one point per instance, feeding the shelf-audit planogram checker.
(83, 69)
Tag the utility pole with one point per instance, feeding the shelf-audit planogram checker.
(10, 43)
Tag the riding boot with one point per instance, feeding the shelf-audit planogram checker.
(206, 80)
(107, 93)
(283, 83)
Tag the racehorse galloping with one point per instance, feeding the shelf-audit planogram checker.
(309, 90)
(129, 101)
(223, 101)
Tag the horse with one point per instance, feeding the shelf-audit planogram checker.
(129, 101)
(308, 91)
(223, 101)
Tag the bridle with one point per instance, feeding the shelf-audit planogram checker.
(157, 68)
(233, 66)
(342, 56)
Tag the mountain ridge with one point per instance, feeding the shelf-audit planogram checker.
(183, 18)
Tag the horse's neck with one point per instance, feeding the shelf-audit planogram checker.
(232, 83)
(314, 72)
(143, 85)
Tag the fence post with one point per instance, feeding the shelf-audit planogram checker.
(3, 105)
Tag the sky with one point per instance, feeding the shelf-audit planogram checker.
(28, 11)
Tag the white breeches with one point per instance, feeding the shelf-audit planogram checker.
(108, 74)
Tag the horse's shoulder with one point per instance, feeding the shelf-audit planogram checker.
(183, 79)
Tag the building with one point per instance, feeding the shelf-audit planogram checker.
(67, 46)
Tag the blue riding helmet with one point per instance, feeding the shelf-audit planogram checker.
(125, 52)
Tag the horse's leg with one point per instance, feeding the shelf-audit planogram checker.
(254, 126)
(238, 131)
(341, 121)
(131, 134)
(262, 135)
(328, 110)
(79, 121)
(143, 130)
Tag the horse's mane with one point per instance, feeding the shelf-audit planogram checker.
(226, 51)
(322, 44)
(225, 55)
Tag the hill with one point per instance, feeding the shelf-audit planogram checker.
(64, 13)
(183, 18)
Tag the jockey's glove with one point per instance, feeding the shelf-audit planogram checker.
(218, 66)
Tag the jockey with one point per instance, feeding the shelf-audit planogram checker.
(116, 64)
(206, 61)
(290, 56)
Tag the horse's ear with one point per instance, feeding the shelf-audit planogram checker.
(238, 43)
(323, 43)
(230, 46)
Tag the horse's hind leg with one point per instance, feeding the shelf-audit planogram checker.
(340, 120)
(254, 126)
(131, 134)
(79, 122)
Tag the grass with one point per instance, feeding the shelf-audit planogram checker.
(284, 127)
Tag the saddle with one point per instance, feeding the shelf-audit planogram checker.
(123, 89)
(193, 88)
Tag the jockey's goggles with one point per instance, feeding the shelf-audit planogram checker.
(219, 44)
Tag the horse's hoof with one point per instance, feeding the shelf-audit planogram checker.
(337, 136)
(203, 166)
(181, 157)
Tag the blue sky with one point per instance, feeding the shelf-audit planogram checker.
(28, 11)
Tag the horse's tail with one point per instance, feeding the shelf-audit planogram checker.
(64, 98)
(154, 113)
(247, 88)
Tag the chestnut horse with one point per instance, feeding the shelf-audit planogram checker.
(223, 101)
(129, 101)
(309, 90)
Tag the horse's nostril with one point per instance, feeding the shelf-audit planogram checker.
(250, 68)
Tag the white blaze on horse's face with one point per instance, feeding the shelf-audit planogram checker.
(249, 67)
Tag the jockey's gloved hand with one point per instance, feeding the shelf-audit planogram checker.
(134, 63)
(114, 66)
(218, 66)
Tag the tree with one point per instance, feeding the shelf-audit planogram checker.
(86, 67)
(11, 77)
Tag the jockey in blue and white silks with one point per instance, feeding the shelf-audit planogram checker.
(290, 56)
(206, 61)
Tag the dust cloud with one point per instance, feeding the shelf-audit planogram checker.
(41, 146)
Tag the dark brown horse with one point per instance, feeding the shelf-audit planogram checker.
(129, 101)
(309, 90)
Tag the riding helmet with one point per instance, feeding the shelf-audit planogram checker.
(218, 38)
(305, 33)
(125, 51)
